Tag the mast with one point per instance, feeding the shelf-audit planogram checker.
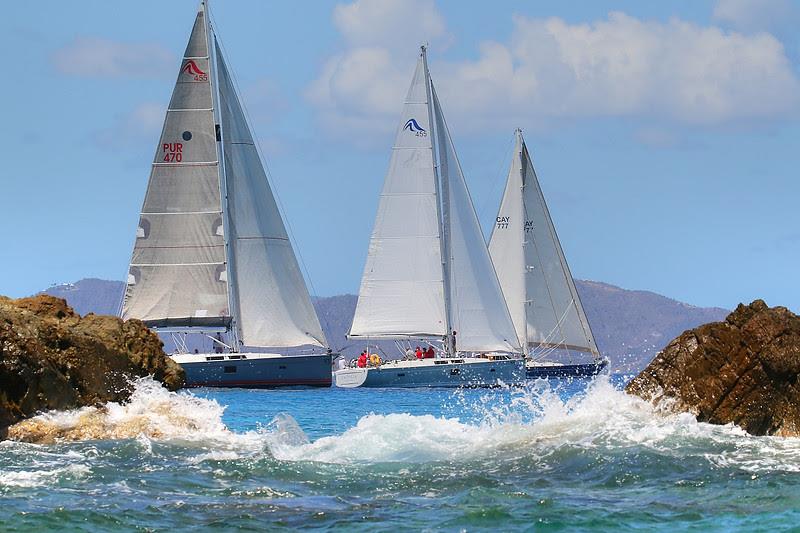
(442, 206)
(525, 298)
(223, 189)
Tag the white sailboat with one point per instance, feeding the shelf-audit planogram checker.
(212, 255)
(428, 275)
(547, 313)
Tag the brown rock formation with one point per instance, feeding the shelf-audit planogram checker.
(743, 370)
(51, 358)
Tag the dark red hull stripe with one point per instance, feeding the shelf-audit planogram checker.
(271, 382)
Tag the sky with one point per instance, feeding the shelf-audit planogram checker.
(666, 135)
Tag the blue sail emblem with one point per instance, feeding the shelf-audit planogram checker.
(413, 125)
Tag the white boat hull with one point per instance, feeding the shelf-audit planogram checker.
(255, 370)
(468, 372)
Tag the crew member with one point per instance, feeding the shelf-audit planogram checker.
(454, 342)
(430, 353)
(418, 352)
(362, 360)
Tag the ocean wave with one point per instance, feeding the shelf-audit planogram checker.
(537, 426)
(152, 412)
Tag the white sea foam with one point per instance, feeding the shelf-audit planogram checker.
(152, 412)
(42, 475)
(534, 423)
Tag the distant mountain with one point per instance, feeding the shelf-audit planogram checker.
(630, 326)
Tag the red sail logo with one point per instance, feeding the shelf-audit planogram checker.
(192, 69)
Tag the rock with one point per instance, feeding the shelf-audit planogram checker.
(51, 358)
(743, 370)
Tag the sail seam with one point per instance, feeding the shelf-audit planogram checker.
(175, 264)
(182, 213)
(187, 164)
(261, 238)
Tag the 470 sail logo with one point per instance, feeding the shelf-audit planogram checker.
(193, 70)
(413, 126)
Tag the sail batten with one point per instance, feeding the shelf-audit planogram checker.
(533, 271)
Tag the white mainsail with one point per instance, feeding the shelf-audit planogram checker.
(428, 270)
(531, 267)
(206, 259)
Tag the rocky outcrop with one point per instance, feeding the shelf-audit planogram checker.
(51, 358)
(743, 370)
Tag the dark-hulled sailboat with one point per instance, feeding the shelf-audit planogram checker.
(212, 255)
(538, 287)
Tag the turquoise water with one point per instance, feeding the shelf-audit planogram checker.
(551, 457)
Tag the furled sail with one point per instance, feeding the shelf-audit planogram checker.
(402, 289)
(478, 311)
(531, 266)
(177, 274)
(270, 298)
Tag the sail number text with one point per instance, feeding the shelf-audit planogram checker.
(503, 222)
(172, 152)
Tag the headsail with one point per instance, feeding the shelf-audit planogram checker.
(402, 289)
(271, 301)
(531, 266)
(177, 275)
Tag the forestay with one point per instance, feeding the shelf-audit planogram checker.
(177, 275)
(402, 289)
(271, 301)
(531, 266)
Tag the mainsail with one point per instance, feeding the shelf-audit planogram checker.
(531, 267)
(177, 275)
(203, 258)
(428, 270)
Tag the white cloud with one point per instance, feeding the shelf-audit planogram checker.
(98, 57)
(674, 72)
(133, 129)
(757, 15)
(402, 23)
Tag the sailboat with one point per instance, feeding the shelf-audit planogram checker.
(428, 278)
(212, 256)
(545, 307)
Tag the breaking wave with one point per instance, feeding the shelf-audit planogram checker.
(534, 426)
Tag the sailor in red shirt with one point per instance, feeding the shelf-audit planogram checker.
(362, 360)
(429, 353)
(418, 352)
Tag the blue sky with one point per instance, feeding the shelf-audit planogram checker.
(665, 134)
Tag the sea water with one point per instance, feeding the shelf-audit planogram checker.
(578, 456)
